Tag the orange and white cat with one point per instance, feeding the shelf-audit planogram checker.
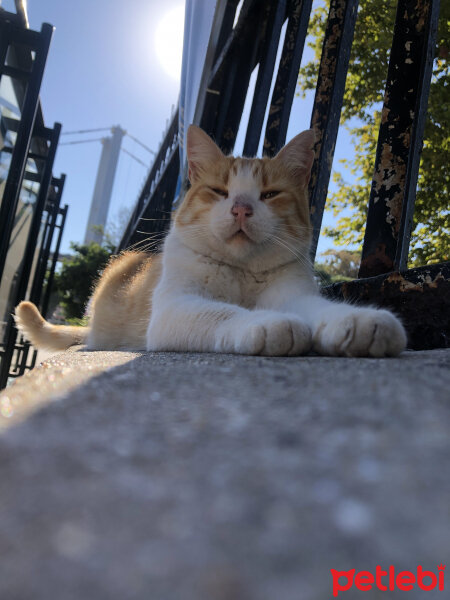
(234, 275)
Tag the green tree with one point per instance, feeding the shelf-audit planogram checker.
(337, 265)
(363, 96)
(75, 280)
(342, 263)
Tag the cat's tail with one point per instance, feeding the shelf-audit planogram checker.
(42, 334)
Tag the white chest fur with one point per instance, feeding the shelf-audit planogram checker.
(231, 284)
(202, 275)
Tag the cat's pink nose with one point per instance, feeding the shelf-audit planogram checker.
(241, 210)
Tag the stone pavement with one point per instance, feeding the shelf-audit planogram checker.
(167, 476)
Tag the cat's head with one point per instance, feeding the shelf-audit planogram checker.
(248, 212)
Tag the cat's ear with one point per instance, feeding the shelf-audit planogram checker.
(298, 155)
(201, 152)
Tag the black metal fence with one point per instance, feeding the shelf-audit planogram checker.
(158, 192)
(30, 209)
(421, 296)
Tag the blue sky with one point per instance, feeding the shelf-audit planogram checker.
(103, 70)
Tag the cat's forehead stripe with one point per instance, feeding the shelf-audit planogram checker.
(256, 169)
(248, 167)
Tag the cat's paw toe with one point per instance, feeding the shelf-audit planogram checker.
(251, 339)
(301, 337)
(367, 332)
(286, 337)
(388, 336)
(275, 336)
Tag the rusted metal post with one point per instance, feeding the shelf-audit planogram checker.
(420, 297)
(392, 197)
(328, 103)
(283, 92)
(273, 22)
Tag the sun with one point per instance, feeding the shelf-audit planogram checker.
(169, 41)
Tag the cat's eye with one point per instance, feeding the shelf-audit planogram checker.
(268, 195)
(220, 192)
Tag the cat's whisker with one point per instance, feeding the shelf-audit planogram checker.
(291, 226)
(286, 235)
(302, 259)
(142, 245)
(284, 244)
(299, 233)
(306, 261)
(151, 234)
(164, 212)
(147, 219)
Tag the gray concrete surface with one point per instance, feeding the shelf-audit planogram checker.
(196, 477)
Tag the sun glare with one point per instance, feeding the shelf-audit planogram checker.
(169, 41)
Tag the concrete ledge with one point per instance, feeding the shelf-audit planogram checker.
(54, 378)
(193, 476)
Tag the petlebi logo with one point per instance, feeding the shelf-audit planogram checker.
(388, 580)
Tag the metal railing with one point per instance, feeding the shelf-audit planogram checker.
(158, 192)
(30, 211)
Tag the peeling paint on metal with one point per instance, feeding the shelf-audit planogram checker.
(395, 174)
(420, 297)
(405, 285)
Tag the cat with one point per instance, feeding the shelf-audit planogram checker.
(234, 275)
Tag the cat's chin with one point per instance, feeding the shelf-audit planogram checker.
(240, 237)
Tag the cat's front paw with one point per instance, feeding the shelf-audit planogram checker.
(362, 332)
(271, 335)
